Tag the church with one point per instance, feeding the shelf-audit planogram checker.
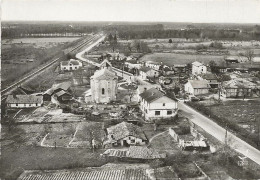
(104, 84)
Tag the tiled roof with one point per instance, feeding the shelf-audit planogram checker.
(238, 83)
(196, 63)
(104, 74)
(135, 152)
(142, 152)
(24, 99)
(142, 88)
(62, 92)
(71, 61)
(151, 95)
(125, 129)
(92, 174)
(199, 84)
(65, 86)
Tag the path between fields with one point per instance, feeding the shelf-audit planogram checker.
(150, 140)
(219, 133)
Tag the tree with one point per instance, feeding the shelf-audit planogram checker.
(115, 39)
(170, 40)
(249, 54)
(110, 37)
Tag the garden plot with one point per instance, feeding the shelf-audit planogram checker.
(43, 115)
(86, 132)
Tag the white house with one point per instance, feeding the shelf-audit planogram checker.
(155, 105)
(197, 87)
(198, 68)
(146, 72)
(153, 65)
(24, 101)
(133, 64)
(125, 134)
(70, 65)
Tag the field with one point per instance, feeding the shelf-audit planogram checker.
(171, 59)
(23, 55)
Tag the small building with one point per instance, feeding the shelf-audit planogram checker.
(124, 134)
(198, 68)
(133, 64)
(238, 88)
(211, 78)
(155, 105)
(197, 87)
(146, 73)
(70, 65)
(230, 60)
(167, 71)
(56, 88)
(24, 101)
(63, 96)
(153, 65)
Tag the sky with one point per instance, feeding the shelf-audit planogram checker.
(197, 11)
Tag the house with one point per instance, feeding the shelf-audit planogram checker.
(70, 65)
(197, 87)
(146, 73)
(211, 78)
(231, 60)
(153, 65)
(124, 134)
(104, 84)
(135, 153)
(133, 64)
(165, 80)
(116, 56)
(65, 86)
(24, 101)
(155, 105)
(143, 88)
(63, 96)
(181, 68)
(198, 68)
(238, 88)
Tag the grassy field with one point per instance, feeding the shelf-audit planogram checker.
(172, 58)
(23, 55)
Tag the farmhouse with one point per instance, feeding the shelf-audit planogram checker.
(238, 88)
(24, 101)
(198, 68)
(125, 134)
(146, 73)
(104, 84)
(70, 65)
(63, 96)
(155, 105)
(56, 88)
(197, 87)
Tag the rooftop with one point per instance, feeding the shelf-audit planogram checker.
(196, 63)
(209, 76)
(24, 99)
(71, 61)
(145, 69)
(199, 84)
(104, 74)
(152, 94)
(125, 129)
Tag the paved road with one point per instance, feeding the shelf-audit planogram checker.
(129, 77)
(219, 133)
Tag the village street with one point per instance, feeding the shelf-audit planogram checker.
(218, 132)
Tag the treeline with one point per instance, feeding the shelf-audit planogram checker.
(189, 34)
(12, 31)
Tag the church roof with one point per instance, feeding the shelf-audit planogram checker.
(104, 74)
(105, 63)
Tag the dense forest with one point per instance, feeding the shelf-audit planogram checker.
(135, 31)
